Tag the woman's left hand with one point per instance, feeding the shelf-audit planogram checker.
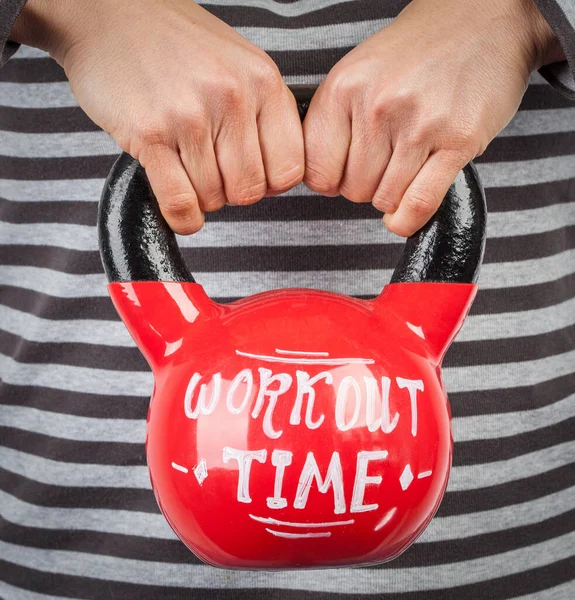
(398, 117)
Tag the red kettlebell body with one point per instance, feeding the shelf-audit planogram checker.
(296, 427)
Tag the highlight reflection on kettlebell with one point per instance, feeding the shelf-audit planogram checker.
(297, 427)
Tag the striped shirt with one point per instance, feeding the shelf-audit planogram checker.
(78, 518)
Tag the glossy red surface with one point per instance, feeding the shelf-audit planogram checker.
(297, 428)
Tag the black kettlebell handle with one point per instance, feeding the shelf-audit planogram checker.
(136, 243)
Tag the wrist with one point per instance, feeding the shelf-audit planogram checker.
(50, 25)
(546, 48)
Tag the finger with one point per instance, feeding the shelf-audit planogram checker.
(171, 185)
(239, 158)
(425, 194)
(368, 157)
(199, 159)
(405, 163)
(281, 143)
(327, 136)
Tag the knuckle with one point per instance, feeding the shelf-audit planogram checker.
(419, 204)
(385, 204)
(342, 82)
(382, 107)
(319, 181)
(268, 75)
(232, 92)
(248, 192)
(355, 193)
(385, 198)
(194, 119)
(188, 227)
(213, 200)
(287, 178)
(153, 134)
(382, 111)
(182, 213)
(464, 141)
(178, 205)
(423, 133)
(400, 100)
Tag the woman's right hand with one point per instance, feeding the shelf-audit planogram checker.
(204, 110)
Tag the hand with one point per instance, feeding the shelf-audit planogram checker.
(205, 111)
(399, 116)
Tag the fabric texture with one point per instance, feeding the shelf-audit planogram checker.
(78, 518)
(560, 14)
(9, 11)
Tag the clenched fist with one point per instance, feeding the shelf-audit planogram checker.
(204, 111)
(399, 116)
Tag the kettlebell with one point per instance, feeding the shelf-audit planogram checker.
(295, 428)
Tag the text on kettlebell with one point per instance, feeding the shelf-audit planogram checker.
(202, 398)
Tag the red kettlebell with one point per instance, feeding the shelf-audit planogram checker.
(294, 428)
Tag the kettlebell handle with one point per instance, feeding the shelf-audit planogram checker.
(136, 243)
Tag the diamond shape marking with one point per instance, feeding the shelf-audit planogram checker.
(406, 478)
(201, 471)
